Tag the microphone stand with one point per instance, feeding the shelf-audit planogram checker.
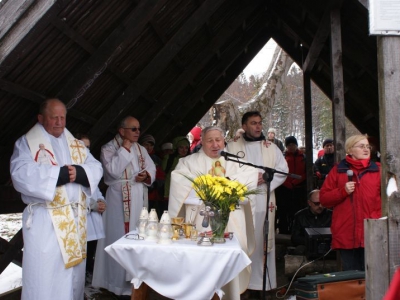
(267, 176)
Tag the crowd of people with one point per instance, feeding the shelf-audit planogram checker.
(58, 179)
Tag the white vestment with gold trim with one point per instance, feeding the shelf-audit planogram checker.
(240, 221)
(271, 156)
(44, 275)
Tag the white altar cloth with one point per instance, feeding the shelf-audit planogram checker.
(181, 270)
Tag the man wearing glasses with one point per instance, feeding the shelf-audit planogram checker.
(315, 215)
(128, 168)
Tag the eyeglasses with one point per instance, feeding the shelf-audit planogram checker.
(368, 147)
(134, 129)
(316, 203)
(134, 236)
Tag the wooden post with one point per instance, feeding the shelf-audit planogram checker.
(389, 108)
(308, 125)
(376, 249)
(339, 128)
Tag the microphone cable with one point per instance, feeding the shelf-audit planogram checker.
(294, 276)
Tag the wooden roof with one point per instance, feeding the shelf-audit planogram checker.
(165, 62)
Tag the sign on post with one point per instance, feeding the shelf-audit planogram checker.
(384, 17)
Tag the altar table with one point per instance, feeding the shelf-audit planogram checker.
(181, 270)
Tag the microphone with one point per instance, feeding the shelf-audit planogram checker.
(350, 178)
(227, 154)
(350, 175)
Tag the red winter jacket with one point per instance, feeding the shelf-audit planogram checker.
(349, 212)
(296, 162)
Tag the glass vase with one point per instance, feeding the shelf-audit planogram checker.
(218, 225)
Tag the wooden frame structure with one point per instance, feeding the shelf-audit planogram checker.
(168, 61)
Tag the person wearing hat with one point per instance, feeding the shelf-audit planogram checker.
(273, 139)
(156, 190)
(195, 134)
(166, 149)
(181, 147)
(324, 163)
(291, 196)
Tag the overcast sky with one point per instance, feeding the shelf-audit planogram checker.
(261, 61)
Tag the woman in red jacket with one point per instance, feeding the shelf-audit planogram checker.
(353, 198)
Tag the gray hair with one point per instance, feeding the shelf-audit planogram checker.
(209, 128)
(44, 105)
(122, 123)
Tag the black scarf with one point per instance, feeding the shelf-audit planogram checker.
(248, 139)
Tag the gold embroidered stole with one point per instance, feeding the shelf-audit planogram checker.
(127, 179)
(71, 238)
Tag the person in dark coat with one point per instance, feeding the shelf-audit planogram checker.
(271, 137)
(156, 190)
(324, 163)
(315, 215)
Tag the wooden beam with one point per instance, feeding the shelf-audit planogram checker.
(389, 107)
(82, 42)
(14, 250)
(21, 91)
(376, 233)
(11, 13)
(28, 23)
(339, 126)
(73, 35)
(289, 22)
(232, 63)
(253, 43)
(155, 67)
(308, 130)
(318, 42)
(38, 98)
(187, 76)
(130, 29)
(4, 246)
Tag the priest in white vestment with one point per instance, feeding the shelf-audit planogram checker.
(261, 153)
(182, 198)
(56, 192)
(128, 169)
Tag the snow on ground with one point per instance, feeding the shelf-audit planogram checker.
(11, 277)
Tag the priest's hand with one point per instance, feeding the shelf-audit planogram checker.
(101, 206)
(260, 179)
(127, 144)
(141, 176)
(72, 173)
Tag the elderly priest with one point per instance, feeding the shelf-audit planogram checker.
(56, 190)
(183, 199)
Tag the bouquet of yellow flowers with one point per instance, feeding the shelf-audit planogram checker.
(222, 193)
